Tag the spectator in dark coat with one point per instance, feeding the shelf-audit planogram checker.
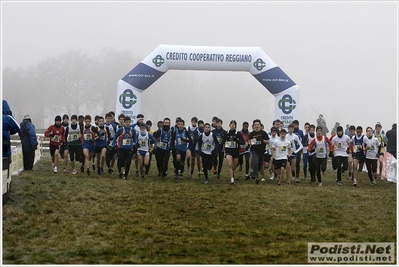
(391, 145)
(27, 133)
(10, 127)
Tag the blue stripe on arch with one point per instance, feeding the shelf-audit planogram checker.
(275, 80)
(142, 76)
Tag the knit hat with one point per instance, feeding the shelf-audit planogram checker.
(74, 117)
(57, 118)
(340, 129)
(65, 117)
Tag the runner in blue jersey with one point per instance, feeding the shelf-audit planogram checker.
(89, 135)
(191, 155)
(124, 140)
(358, 155)
(180, 138)
(101, 145)
(110, 155)
(162, 152)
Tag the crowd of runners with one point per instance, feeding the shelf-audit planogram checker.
(258, 152)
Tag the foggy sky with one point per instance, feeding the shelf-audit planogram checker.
(343, 56)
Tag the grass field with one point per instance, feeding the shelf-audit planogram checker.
(75, 219)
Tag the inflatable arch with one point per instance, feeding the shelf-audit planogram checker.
(216, 58)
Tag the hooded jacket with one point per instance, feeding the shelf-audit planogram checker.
(10, 127)
(27, 133)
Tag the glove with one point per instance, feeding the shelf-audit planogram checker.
(34, 147)
(293, 153)
(102, 134)
(331, 154)
(385, 144)
(347, 150)
(51, 135)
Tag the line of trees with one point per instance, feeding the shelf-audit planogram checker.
(71, 83)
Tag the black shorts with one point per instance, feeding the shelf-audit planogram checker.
(63, 148)
(53, 148)
(235, 155)
(360, 157)
(98, 149)
(74, 152)
(280, 163)
(181, 153)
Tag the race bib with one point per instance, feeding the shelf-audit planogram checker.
(244, 146)
(230, 144)
(320, 150)
(56, 138)
(126, 142)
(142, 142)
(282, 148)
(207, 146)
(73, 137)
(87, 136)
(162, 145)
(179, 141)
(220, 140)
(338, 145)
(255, 142)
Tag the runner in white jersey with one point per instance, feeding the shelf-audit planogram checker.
(273, 137)
(320, 145)
(73, 137)
(372, 148)
(295, 142)
(340, 144)
(207, 145)
(281, 149)
(143, 147)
